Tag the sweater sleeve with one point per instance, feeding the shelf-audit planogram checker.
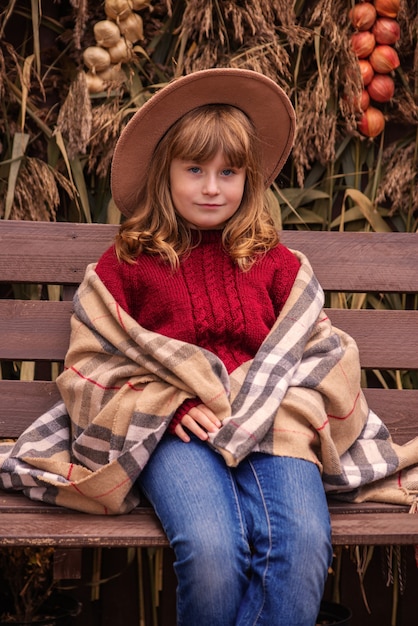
(183, 409)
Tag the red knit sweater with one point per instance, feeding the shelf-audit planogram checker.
(208, 302)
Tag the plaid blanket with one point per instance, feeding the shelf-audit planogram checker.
(300, 396)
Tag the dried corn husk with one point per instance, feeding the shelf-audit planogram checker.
(122, 52)
(96, 58)
(106, 33)
(132, 28)
(95, 84)
(117, 10)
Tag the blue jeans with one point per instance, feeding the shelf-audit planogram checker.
(252, 543)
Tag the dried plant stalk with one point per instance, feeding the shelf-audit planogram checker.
(399, 184)
(75, 117)
(107, 123)
(36, 195)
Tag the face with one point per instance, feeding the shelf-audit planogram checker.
(206, 194)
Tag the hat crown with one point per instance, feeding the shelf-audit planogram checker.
(261, 99)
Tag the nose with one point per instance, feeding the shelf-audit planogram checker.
(210, 186)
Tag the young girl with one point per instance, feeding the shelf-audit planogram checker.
(198, 260)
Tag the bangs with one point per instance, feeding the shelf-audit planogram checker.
(205, 131)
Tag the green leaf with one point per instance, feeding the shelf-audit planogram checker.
(368, 209)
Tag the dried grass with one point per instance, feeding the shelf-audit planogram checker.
(308, 54)
(2, 74)
(81, 18)
(399, 185)
(238, 34)
(325, 106)
(405, 107)
(36, 195)
(75, 117)
(408, 22)
(107, 124)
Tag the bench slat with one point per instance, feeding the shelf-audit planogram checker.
(73, 529)
(34, 329)
(370, 256)
(46, 246)
(23, 401)
(360, 261)
(379, 334)
(40, 330)
(375, 529)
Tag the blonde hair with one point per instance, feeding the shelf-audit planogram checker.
(156, 227)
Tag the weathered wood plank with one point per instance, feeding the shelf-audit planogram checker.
(375, 529)
(24, 401)
(55, 253)
(34, 329)
(370, 257)
(40, 330)
(81, 530)
(77, 530)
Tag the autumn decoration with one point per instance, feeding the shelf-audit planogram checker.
(376, 31)
(115, 38)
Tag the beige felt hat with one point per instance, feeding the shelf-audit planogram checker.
(264, 102)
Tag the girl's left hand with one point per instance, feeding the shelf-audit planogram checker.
(200, 421)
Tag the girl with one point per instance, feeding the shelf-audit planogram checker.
(198, 260)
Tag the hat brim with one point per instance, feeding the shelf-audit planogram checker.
(263, 101)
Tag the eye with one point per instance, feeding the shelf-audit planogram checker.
(228, 172)
(194, 169)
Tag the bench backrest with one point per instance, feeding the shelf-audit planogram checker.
(58, 253)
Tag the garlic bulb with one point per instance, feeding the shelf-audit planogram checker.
(95, 84)
(96, 58)
(132, 28)
(106, 33)
(122, 52)
(113, 74)
(117, 10)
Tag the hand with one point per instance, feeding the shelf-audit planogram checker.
(200, 421)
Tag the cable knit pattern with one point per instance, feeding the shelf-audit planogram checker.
(218, 312)
(209, 302)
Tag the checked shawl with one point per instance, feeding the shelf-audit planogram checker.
(300, 396)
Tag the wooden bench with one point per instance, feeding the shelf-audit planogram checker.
(38, 331)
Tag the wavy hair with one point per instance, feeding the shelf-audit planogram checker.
(156, 227)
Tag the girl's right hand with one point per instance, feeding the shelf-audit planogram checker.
(200, 421)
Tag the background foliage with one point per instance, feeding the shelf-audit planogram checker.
(57, 139)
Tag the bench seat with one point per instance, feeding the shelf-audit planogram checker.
(37, 331)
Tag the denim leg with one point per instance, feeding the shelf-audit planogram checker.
(195, 497)
(285, 508)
